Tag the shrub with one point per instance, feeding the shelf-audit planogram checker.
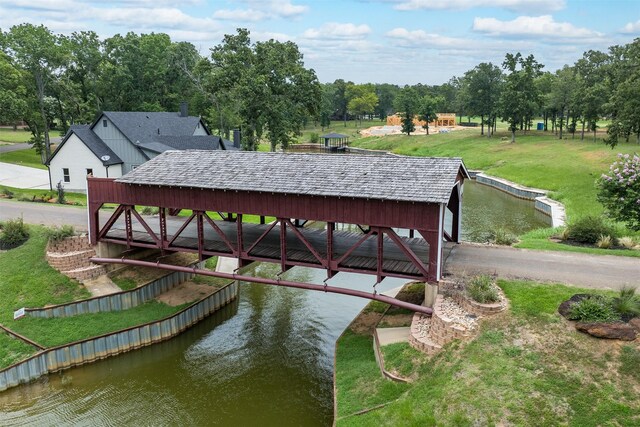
(314, 138)
(593, 309)
(588, 229)
(626, 242)
(148, 210)
(564, 235)
(619, 190)
(56, 234)
(482, 289)
(604, 242)
(500, 236)
(7, 193)
(61, 196)
(627, 304)
(14, 233)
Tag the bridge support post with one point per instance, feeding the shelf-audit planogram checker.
(430, 293)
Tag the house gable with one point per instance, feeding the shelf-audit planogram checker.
(115, 139)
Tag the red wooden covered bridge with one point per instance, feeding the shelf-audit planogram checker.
(403, 208)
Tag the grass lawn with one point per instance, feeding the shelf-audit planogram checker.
(28, 195)
(8, 135)
(53, 332)
(27, 157)
(28, 281)
(526, 367)
(13, 350)
(539, 239)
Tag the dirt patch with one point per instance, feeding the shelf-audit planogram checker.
(185, 293)
(100, 286)
(365, 323)
(143, 275)
(397, 320)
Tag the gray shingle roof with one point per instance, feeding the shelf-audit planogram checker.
(415, 179)
(93, 143)
(334, 135)
(162, 143)
(144, 126)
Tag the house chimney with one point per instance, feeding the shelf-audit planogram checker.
(237, 137)
(184, 110)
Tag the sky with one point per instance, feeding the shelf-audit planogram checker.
(377, 41)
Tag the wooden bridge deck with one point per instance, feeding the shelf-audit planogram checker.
(362, 259)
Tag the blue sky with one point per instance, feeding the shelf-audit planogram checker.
(380, 41)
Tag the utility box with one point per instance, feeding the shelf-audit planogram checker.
(540, 126)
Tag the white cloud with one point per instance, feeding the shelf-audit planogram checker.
(334, 30)
(405, 37)
(262, 10)
(50, 5)
(153, 18)
(535, 26)
(631, 28)
(512, 5)
(239, 15)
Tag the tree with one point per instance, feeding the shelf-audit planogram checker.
(428, 110)
(592, 90)
(519, 98)
(482, 87)
(42, 55)
(362, 100)
(386, 95)
(341, 101)
(407, 103)
(13, 106)
(272, 91)
(619, 190)
(562, 95)
(624, 103)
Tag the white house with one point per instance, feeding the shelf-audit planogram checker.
(118, 142)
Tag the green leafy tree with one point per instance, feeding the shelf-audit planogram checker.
(408, 104)
(41, 54)
(362, 100)
(482, 86)
(13, 106)
(619, 190)
(520, 97)
(428, 110)
(386, 96)
(563, 93)
(592, 93)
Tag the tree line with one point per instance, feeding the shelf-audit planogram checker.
(265, 89)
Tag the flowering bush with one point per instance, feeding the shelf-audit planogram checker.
(620, 190)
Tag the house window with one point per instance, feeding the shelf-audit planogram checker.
(65, 175)
(90, 172)
(104, 123)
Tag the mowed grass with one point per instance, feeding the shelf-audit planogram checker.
(58, 331)
(13, 350)
(8, 135)
(526, 367)
(27, 157)
(28, 281)
(567, 168)
(29, 195)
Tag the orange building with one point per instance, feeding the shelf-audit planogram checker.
(444, 119)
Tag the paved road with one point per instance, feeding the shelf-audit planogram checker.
(14, 147)
(596, 271)
(23, 176)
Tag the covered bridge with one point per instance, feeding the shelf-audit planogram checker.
(403, 209)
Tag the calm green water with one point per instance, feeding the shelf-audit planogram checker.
(486, 209)
(266, 360)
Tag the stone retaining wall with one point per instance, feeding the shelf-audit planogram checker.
(86, 351)
(71, 256)
(477, 308)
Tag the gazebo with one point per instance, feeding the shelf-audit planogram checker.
(335, 141)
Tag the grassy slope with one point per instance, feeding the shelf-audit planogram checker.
(527, 367)
(13, 350)
(9, 135)
(28, 281)
(27, 157)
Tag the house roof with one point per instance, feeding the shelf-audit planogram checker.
(415, 179)
(144, 127)
(161, 143)
(93, 143)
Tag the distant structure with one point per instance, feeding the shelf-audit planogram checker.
(120, 141)
(335, 141)
(443, 120)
